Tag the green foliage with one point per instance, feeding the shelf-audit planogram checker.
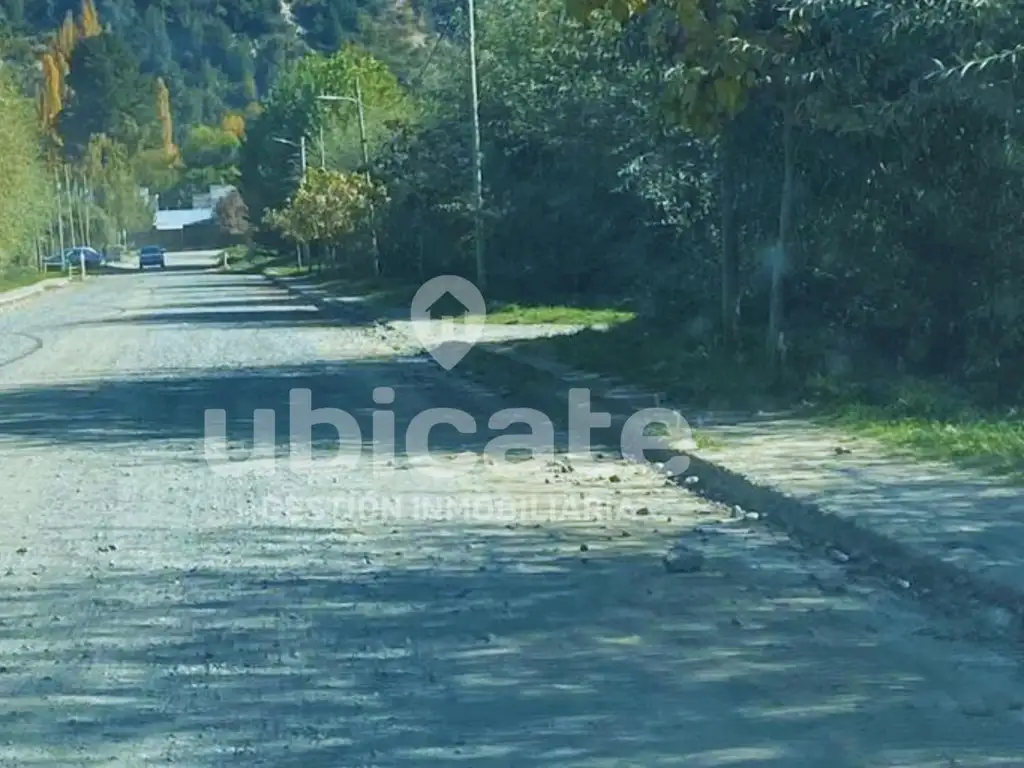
(269, 161)
(108, 95)
(327, 205)
(613, 150)
(108, 171)
(208, 146)
(25, 199)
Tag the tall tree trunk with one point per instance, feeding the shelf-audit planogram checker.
(730, 239)
(776, 342)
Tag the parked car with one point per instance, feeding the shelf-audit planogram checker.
(152, 256)
(73, 257)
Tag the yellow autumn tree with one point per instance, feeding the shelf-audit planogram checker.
(90, 20)
(51, 97)
(163, 111)
(234, 124)
(64, 42)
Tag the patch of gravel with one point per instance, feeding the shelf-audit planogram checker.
(160, 609)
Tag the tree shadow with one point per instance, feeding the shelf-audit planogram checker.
(173, 406)
(508, 654)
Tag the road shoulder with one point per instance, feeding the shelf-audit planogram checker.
(949, 536)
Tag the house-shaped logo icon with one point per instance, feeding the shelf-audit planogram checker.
(434, 308)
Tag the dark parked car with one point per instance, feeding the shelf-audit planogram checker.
(152, 256)
(73, 257)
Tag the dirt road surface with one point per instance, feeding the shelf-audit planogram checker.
(164, 606)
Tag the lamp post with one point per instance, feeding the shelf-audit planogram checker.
(358, 101)
(301, 145)
(478, 175)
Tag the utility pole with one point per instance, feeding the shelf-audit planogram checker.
(302, 152)
(302, 163)
(478, 208)
(71, 205)
(365, 148)
(60, 212)
(369, 181)
(86, 213)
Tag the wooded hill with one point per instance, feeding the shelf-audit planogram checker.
(218, 56)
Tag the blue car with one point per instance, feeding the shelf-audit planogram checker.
(152, 256)
(73, 257)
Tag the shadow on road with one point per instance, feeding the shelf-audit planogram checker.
(172, 406)
(283, 314)
(125, 269)
(510, 654)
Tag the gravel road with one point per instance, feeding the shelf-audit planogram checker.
(162, 606)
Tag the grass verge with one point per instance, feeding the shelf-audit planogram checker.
(517, 314)
(926, 420)
(19, 278)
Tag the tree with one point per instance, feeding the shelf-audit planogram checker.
(51, 99)
(293, 109)
(90, 20)
(163, 113)
(208, 146)
(107, 169)
(65, 40)
(25, 191)
(233, 214)
(234, 124)
(327, 205)
(108, 95)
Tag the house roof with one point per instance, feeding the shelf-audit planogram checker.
(179, 218)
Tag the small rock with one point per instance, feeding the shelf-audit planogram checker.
(21, 551)
(614, 479)
(642, 512)
(682, 559)
(841, 451)
(691, 480)
(584, 548)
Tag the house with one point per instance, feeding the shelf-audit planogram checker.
(185, 228)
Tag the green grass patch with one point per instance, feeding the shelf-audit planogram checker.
(516, 314)
(941, 430)
(19, 278)
(926, 420)
(662, 361)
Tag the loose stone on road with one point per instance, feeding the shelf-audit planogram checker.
(158, 609)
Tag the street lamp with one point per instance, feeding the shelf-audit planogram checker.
(358, 101)
(301, 144)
